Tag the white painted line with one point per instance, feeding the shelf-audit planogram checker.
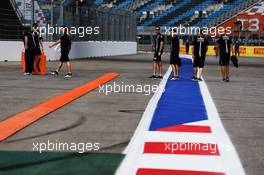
(230, 156)
(157, 136)
(200, 123)
(182, 162)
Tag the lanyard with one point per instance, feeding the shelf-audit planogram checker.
(200, 40)
(157, 42)
(226, 46)
(200, 49)
(33, 39)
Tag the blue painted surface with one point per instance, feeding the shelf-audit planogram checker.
(182, 101)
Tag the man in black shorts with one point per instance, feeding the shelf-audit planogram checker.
(187, 45)
(65, 42)
(158, 47)
(237, 47)
(175, 60)
(200, 47)
(33, 45)
(224, 47)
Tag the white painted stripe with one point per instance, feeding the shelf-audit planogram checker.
(230, 156)
(200, 123)
(182, 162)
(156, 136)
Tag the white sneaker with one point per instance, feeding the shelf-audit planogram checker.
(68, 75)
(26, 74)
(54, 73)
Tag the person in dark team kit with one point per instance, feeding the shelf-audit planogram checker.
(158, 47)
(175, 60)
(65, 42)
(236, 47)
(187, 45)
(199, 49)
(224, 47)
(33, 45)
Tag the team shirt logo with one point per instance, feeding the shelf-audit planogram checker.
(200, 41)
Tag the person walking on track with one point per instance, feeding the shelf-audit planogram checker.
(65, 42)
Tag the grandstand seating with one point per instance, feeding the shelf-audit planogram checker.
(150, 12)
(180, 18)
(123, 4)
(11, 26)
(182, 12)
(226, 8)
(238, 7)
(98, 2)
(149, 5)
(175, 11)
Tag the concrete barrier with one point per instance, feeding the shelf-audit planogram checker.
(11, 50)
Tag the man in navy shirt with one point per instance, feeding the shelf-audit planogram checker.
(33, 45)
(237, 47)
(175, 60)
(158, 47)
(225, 49)
(200, 47)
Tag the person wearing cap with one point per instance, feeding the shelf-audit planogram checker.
(65, 42)
(225, 49)
(158, 47)
(199, 49)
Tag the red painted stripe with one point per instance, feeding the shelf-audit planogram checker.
(145, 171)
(187, 128)
(181, 148)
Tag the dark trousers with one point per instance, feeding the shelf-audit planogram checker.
(29, 60)
(187, 48)
(237, 51)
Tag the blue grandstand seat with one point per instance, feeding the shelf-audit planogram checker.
(217, 13)
(99, 2)
(189, 13)
(151, 5)
(171, 10)
(124, 4)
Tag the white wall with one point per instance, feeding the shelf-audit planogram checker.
(11, 50)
